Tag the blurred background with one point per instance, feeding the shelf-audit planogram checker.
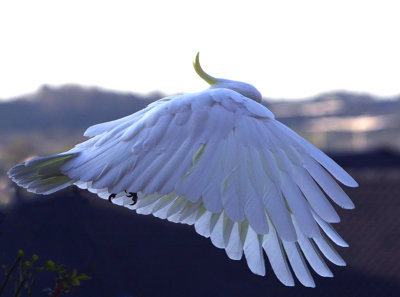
(328, 71)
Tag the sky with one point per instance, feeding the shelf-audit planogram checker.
(286, 49)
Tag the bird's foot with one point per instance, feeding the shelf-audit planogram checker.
(130, 195)
(112, 196)
(133, 196)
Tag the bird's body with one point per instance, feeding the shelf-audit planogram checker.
(217, 160)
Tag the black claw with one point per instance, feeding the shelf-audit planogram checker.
(134, 197)
(111, 197)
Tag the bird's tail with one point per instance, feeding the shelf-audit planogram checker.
(42, 175)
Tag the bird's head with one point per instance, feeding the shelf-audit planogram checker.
(243, 88)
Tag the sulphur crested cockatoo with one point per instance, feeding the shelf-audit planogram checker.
(217, 160)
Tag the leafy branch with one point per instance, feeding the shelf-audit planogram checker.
(24, 274)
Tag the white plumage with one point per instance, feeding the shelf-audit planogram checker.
(217, 160)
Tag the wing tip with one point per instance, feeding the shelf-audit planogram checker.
(351, 182)
(348, 204)
(309, 282)
(258, 272)
(289, 283)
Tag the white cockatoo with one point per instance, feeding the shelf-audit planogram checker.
(217, 160)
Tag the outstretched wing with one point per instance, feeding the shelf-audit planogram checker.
(220, 161)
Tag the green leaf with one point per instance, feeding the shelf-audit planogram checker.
(4, 266)
(20, 253)
(35, 258)
(75, 282)
(50, 265)
(27, 264)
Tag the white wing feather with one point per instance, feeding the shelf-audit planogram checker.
(221, 162)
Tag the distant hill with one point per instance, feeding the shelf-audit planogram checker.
(344, 121)
(69, 106)
(338, 103)
(340, 121)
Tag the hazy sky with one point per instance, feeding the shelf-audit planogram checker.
(287, 49)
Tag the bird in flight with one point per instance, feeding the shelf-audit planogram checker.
(218, 160)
